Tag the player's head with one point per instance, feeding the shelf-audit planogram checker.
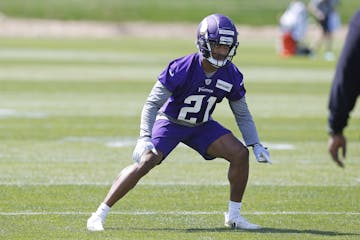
(215, 30)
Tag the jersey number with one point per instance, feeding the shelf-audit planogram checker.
(198, 102)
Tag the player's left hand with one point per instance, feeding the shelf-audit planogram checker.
(261, 153)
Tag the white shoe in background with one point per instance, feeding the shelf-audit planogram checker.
(329, 56)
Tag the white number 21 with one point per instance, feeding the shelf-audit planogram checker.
(198, 101)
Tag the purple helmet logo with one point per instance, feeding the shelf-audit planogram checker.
(217, 29)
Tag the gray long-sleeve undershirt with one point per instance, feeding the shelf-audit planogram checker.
(245, 121)
(159, 95)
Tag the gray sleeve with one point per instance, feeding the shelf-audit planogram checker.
(157, 97)
(244, 121)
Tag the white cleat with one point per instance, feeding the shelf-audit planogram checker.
(240, 223)
(95, 223)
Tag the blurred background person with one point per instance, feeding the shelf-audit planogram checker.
(328, 19)
(345, 89)
(293, 25)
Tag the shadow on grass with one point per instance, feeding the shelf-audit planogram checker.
(276, 230)
(263, 230)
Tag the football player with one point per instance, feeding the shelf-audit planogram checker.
(178, 109)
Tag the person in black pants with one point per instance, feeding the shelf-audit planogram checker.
(345, 89)
(328, 19)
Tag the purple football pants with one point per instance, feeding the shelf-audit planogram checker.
(166, 135)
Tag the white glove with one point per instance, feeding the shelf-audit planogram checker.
(262, 154)
(143, 144)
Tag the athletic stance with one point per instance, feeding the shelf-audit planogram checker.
(179, 109)
(345, 89)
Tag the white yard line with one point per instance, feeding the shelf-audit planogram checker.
(29, 213)
(7, 113)
(77, 55)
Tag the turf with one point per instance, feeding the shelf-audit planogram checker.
(69, 118)
(249, 12)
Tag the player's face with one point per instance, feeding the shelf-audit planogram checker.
(219, 51)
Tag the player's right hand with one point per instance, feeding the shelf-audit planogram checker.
(143, 145)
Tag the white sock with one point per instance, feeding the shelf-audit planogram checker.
(102, 211)
(234, 209)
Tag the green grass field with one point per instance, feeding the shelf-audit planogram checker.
(250, 12)
(69, 118)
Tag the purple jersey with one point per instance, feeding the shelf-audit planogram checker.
(194, 95)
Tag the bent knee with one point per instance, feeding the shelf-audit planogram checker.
(245, 152)
(241, 155)
(148, 162)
